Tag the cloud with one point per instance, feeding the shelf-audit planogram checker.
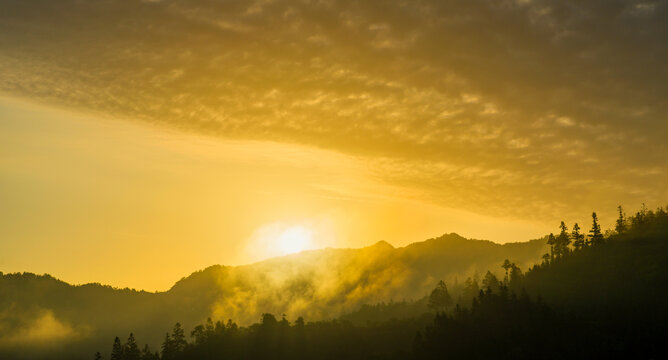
(33, 329)
(489, 105)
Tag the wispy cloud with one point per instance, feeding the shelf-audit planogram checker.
(490, 105)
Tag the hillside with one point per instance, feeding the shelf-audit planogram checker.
(319, 284)
(605, 299)
(602, 297)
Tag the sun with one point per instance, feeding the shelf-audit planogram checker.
(293, 240)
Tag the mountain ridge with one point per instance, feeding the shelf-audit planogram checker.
(376, 245)
(317, 285)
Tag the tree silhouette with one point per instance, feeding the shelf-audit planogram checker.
(506, 266)
(516, 276)
(554, 252)
(563, 240)
(578, 238)
(491, 282)
(167, 352)
(595, 235)
(131, 350)
(620, 225)
(117, 350)
(178, 338)
(98, 356)
(439, 299)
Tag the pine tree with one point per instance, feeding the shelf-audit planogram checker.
(595, 235)
(506, 266)
(563, 240)
(117, 350)
(578, 238)
(167, 351)
(98, 356)
(199, 334)
(178, 338)
(491, 282)
(516, 277)
(439, 299)
(551, 240)
(131, 349)
(620, 225)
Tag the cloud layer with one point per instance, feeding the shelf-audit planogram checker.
(516, 108)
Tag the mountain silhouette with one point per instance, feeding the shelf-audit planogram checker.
(316, 284)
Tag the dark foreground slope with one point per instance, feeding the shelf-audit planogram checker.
(603, 301)
(41, 316)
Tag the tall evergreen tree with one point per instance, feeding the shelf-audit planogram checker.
(551, 240)
(178, 338)
(563, 240)
(516, 277)
(506, 266)
(578, 238)
(595, 235)
(491, 282)
(620, 225)
(439, 299)
(131, 349)
(117, 350)
(167, 351)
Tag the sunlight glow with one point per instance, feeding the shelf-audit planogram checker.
(294, 239)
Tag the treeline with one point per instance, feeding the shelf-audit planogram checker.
(595, 295)
(274, 338)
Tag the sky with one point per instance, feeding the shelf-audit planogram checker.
(144, 140)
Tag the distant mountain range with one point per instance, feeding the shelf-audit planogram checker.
(318, 284)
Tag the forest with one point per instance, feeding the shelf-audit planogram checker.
(595, 294)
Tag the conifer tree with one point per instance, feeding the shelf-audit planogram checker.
(516, 277)
(439, 299)
(578, 238)
(551, 240)
(178, 338)
(131, 350)
(98, 356)
(563, 240)
(117, 350)
(595, 235)
(620, 225)
(167, 351)
(506, 266)
(491, 282)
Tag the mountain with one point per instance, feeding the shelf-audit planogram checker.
(318, 284)
(324, 283)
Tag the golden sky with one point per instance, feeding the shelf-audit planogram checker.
(143, 140)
